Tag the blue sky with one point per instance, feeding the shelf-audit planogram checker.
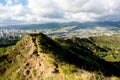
(3, 1)
(40, 11)
(23, 2)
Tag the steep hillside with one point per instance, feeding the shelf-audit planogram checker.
(38, 57)
(111, 44)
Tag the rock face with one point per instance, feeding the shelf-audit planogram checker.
(38, 57)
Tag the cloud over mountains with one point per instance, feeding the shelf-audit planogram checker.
(63, 10)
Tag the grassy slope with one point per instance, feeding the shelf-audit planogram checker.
(12, 59)
(73, 58)
(111, 44)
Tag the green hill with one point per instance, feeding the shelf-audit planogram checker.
(38, 57)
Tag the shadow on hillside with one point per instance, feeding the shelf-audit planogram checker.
(87, 61)
(78, 54)
(83, 57)
(6, 43)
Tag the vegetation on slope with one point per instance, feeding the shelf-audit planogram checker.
(111, 44)
(39, 57)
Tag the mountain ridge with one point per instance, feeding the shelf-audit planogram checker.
(39, 57)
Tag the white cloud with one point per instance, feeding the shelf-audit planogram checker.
(9, 12)
(44, 8)
(60, 10)
(9, 2)
(70, 5)
(12, 11)
(77, 10)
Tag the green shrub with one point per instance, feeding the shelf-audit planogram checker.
(67, 69)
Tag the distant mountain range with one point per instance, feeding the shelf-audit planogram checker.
(54, 25)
